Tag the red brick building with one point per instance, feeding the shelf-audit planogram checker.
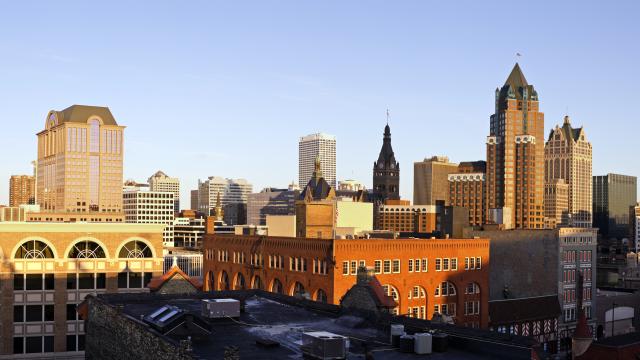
(424, 276)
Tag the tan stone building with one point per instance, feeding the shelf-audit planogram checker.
(466, 189)
(408, 218)
(431, 180)
(568, 157)
(79, 167)
(515, 154)
(316, 210)
(46, 269)
(556, 203)
(22, 190)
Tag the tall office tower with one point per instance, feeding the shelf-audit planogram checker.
(466, 189)
(567, 156)
(195, 199)
(635, 220)
(143, 206)
(163, 183)
(22, 190)
(271, 201)
(431, 180)
(515, 155)
(80, 162)
(231, 191)
(613, 196)
(312, 146)
(556, 203)
(386, 172)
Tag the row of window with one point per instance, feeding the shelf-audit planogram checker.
(569, 256)
(472, 307)
(36, 249)
(33, 313)
(79, 281)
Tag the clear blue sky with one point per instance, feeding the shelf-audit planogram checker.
(226, 88)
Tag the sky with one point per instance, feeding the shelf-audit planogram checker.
(227, 88)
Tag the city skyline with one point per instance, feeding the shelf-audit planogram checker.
(153, 91)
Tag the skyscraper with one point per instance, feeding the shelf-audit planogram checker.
(163, 183)
(386, 171)
(431, 180)
(80, 162)
(312, 146)
(613, 197)
(22, 190)
(142, 206)
(231, 191)
(515, 154)
(567, 157)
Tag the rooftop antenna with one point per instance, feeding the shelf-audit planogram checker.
(387, 116)
(518, 56)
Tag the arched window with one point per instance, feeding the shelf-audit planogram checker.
(257, 283)
(34, 249)
(298, 289)
(472, 288)
(224, 281)
(446, 288)
(276, 287)
(391, 291)
(417, 292)
(86, 249)
(210, 281)
(321, 296)
(240, 283)
(135, 249)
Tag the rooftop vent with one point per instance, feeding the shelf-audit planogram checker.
(220, 308)
(324, 345)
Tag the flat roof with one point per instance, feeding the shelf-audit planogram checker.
(267, 318)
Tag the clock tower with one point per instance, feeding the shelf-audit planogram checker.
(386, 172)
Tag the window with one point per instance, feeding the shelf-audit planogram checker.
(454, 264)
(472, 263)
(133, 280)
(438, 264)
(410, 265)
(86, 250)
(478, 263)
(424, 265)
(72, 313)
(34, 249)
(362, 263)
(345, 268)
(138, 249)
(18, 313)
(472, 288)
(445, 264)
(396, 266)
(387, 266)
(377, 266)
(354, 267)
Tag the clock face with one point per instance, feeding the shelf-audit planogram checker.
(52, 120)
(381, 165)
(393, 166)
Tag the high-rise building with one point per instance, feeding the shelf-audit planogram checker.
(635, 219)
(386, 172)
(613, 196)
(515, 154)
(567, 157)
(195, 199)
(163, 183)
(431, 180)
(466, 189)
(351, 185)
(556, 203)
(48, 269)
(231, 191)
(80, 162)
(150, 207)
(22, 190)
(271, 201)
(312, 146)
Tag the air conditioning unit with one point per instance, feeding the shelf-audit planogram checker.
(220, 308)
(324, 345)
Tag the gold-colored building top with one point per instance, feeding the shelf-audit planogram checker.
(80, 155)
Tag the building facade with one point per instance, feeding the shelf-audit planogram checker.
(431, 180)
(351, 185)
(424, 277)
(613, 196)
(22, 190)
(150, 207)
(635, 218)
(568, 157)
(188, 232)
(466, 189)
(515, 154)
(163, 183)
(79, 167)
(309, 148)
(408, 218)
(556, 203)
(49, 268)
(231, 191)
(270, 201)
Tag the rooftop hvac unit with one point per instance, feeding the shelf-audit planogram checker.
(324, 345)
(220, 308)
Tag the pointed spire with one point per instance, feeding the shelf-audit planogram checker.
(516, 78)
(567, 121)
(317, 172)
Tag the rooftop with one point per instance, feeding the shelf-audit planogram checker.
(281, 320)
